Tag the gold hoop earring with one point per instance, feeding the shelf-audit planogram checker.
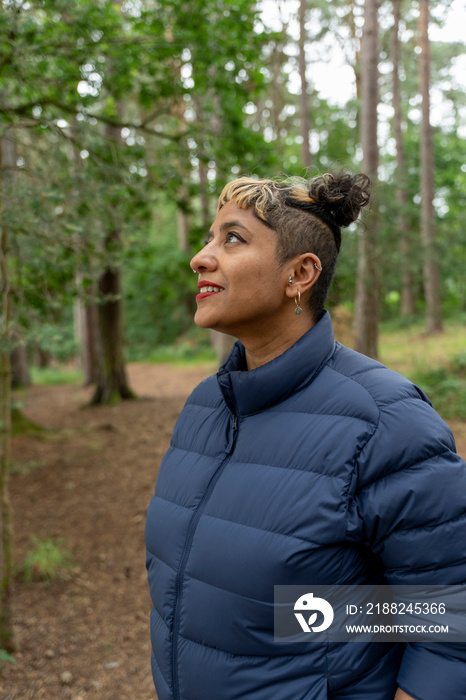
(297, 301)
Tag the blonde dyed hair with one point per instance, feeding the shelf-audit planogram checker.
(263, 195)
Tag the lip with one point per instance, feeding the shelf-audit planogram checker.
(207, 283)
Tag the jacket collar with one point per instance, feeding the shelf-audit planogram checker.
(247, 392)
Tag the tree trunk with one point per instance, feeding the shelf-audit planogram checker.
(85, 309)
(86, 315)
(7, 558)
(183, 230)
(408, 301)
(112, 384)
(306, 156)
(367, 289)
(20, 375)
(430, 265)
(41, 357)
(275, 62)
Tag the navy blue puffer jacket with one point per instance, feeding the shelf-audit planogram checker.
(320, 467)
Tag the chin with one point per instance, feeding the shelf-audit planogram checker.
(203, 322)
(214, 325)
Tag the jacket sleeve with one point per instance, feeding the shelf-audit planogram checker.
(411, 503)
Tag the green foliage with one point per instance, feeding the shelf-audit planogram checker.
(158, 301)
(51, 376)
(182, 354)
(193, 347)
(5, 657)
(112, 105)
(58, 339)
(118, 108)
(446, 387)
(47, 560)
(436, 363)
(22, 425)
(28, 466)
(406, 348)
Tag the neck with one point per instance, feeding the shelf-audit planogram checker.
(261, 350)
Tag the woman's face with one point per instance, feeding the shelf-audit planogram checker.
(241, 283)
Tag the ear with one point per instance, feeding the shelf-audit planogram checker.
(305, 270)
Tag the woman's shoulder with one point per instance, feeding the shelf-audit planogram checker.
(206, 393)
(384, 385)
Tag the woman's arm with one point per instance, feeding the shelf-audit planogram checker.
(401, 695)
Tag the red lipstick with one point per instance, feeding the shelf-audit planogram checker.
(210, 288)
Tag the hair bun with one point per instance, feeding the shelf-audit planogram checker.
(343, 195)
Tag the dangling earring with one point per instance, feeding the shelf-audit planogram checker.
(297, 301)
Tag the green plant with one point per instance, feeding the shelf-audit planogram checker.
(458, 364)
(182, 354)
(27, 466)
(46, 560)
(55, 375)
(5, 657)
(446, 387)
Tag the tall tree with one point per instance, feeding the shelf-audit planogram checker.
(305, 113)
(367, 289)
(430, 260)
(111, 382)
(7, 166)
(408, 305)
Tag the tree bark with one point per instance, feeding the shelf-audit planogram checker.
(430, 265)
(7, 559)
(408, 300)
(85, 309)
(306, 155)
(41, 357)
(275, 63)
(112, 383)
(20, 375)
(367, 288)
(183, 230)
(86, 315)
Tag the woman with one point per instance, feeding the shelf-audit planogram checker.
(300, 462)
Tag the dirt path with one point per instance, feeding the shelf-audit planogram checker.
(89, 482)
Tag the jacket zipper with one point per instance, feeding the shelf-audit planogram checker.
(187, 548)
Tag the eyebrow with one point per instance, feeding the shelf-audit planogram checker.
(232, 224)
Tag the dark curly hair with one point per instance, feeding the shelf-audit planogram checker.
(307, 216)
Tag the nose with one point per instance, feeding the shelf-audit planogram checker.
(205, 259)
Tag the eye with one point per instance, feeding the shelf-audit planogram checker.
(233, 238)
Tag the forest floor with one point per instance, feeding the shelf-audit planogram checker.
(88, 479)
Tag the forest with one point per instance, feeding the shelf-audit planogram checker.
(120, 122)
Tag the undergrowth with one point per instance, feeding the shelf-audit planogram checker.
(446, 387)
(55, 375)
(47, 560)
